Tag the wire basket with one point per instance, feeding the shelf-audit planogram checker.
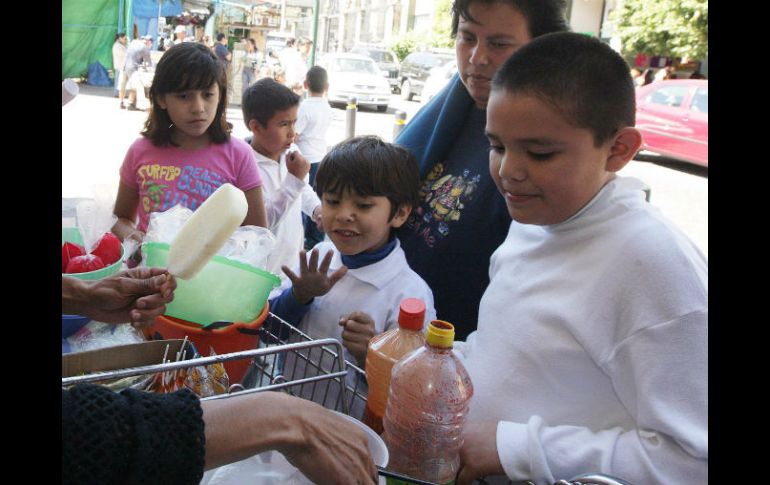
(286, 359)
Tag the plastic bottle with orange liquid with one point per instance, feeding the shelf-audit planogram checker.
(385, 350)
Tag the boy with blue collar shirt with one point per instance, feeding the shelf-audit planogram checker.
(591, 350)
(368, 188)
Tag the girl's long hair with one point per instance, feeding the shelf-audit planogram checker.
(185, 66)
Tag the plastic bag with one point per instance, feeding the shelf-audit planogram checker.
(95, 217)
(263, 469)
(251, 245)
(248, 244)
(203, 380)
(98, 335)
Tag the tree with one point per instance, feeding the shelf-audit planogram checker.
(439, 35)
(671, 28)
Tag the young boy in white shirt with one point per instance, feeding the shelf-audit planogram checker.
(368, 188)
(313, 121)
(591, 349)
(270, 113)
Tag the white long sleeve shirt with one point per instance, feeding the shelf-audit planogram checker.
(286, 198)
(591, 349)
(314, 118)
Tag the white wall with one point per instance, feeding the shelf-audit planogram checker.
(587, 16)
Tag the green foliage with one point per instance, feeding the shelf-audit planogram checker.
(673, 28)
(438, 36)
(405, 43)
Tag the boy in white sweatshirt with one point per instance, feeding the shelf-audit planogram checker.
(270, 113)
(591, 348)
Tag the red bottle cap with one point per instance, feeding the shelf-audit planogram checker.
(411, 314)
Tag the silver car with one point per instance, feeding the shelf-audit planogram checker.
(386, 60)
(355, 75)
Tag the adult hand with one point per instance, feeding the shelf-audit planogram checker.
(334, 450)
(478, 455)
(324, 446)
(358, 331)
(313, 280)
(136, 295)
(297, 165)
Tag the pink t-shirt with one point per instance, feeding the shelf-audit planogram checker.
(167, 176)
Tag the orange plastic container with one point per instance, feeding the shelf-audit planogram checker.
(233, 338)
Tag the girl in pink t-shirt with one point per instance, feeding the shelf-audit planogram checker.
(186, 151)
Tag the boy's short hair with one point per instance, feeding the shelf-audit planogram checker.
(579, 76)
(543, 16)
(262, 99)
(317, 79)
(369, 166)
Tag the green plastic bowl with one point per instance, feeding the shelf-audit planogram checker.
(72, 234)
(224, 290)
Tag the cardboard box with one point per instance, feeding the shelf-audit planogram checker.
(122, 357)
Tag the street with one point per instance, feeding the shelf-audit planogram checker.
(96, 135)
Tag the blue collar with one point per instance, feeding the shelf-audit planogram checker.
(365, 259)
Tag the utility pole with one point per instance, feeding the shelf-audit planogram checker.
(316, 7)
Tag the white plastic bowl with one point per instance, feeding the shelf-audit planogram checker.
(272, 467)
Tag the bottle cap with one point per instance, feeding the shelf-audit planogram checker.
(440, 334)
(411, 314)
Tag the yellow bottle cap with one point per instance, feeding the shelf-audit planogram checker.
(440, 334)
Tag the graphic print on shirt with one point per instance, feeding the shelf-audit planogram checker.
(443, 199)
(164, 186)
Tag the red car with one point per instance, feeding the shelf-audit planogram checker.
(673, 117)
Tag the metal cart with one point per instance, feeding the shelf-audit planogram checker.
(291, 361)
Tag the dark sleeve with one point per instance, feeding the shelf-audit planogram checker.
(132, 437)
(287, 307)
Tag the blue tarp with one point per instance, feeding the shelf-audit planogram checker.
(149, 8)
(97, 75)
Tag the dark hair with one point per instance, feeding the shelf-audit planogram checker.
(317, 78)
(579, 76)
(120, 35)
(252, 42)
(220, 36)
(290, 42)
(369, 166)
(262, 99)
(185, 66)
(543, 16)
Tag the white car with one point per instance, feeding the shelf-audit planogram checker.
(437, 79)
(355, 75)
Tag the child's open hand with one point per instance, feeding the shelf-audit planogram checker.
(297, 165)
(313, 280)
(358, 331)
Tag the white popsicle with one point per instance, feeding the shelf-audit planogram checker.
(207, 230)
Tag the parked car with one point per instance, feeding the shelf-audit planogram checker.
(673, 117)
(386, 60)
(355, 75)
(415, 69)
(437, 79)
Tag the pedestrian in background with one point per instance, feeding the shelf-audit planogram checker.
(313, 121)
(249, 63)
(119, 49)
(225, 56)
(648, 77)
(137, 55)
(294, 66)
